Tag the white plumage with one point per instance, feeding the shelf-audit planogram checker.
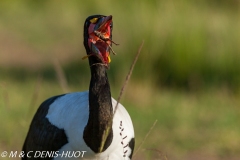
(70, 112)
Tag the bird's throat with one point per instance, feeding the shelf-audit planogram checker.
(98, 131)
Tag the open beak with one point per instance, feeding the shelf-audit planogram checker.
(103, 23)
(99, 40)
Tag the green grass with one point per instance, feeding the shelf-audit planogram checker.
(199, 123)
(187, 44)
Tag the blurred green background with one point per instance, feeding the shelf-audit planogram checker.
(187, 76)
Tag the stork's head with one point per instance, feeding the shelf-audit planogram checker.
(97, 38)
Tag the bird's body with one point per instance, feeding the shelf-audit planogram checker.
(83, 124)
(69, 114)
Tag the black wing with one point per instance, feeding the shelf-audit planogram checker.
(42, 135)
(131, 145)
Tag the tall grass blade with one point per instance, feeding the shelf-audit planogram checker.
(61, 76)
(145, 137)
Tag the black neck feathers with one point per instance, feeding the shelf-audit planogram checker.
(100, 110)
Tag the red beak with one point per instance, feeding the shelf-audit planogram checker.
(107, 20)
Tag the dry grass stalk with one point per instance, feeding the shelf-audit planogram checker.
(145, 137)
(61, 76)
(160, 155)
(104, 136)
(128, 77)
(35, 93)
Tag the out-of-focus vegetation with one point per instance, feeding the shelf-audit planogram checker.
(187, 43)
(187, 75)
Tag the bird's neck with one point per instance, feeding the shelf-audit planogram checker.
(99, 126)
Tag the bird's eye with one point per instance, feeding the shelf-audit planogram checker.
(94, 20)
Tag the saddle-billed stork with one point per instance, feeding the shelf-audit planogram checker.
(84, 122)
